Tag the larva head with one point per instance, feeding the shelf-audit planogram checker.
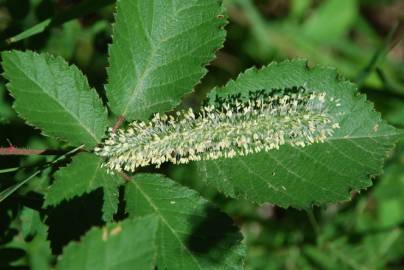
(234, 127)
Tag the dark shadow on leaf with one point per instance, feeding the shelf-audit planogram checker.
(8, 255)
(8, 211)
(32, 200)
(213, 236)
(9, 267)
(121, 213)
(70, 220)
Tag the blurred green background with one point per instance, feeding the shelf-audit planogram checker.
(363, 39)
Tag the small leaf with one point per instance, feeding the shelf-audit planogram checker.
(83, 175)
(387, 201)
(318, 173)
(33, 240)
(192, 233)
(158, 53)
(36, 29)
(55, 97)
(124, 246)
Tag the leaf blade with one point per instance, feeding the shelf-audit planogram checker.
(83, 175)
(192, 234)
(55, 97)
(120, 246)
(316, 174)
(158, 53)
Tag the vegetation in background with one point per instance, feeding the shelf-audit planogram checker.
(74, 68)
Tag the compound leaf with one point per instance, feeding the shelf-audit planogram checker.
(55, 97)
(124, 246)
(192, 233)
(158, 53)
(83, 175)
(318, 173)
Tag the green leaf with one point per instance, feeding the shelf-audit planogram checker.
(192, 233)
(63, 41)
(128, 245)
(36, 29)
(158, 53)
(371, 251)
(4, 194)
(319, 173)
(83, 175)
(55, 97)
(389, 195)
(38, 249)
(32, 240)
(76, 11)
(384, 208)
(6, 112)
(324, 26)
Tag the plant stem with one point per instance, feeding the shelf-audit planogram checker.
(13, 151)
(8, 170)
(9, 191)
(126, 177)
(118, 123)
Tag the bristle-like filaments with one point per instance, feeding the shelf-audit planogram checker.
(232, 129)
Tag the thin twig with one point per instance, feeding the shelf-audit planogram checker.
(8, 170)
(9, 191)
(118, 123)
(13, 151)
(126, 177)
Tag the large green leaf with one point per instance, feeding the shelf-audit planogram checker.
(192, 233)
(84, 175)
(129, 245)
(158, 52)
(319, 173)
(55, 97)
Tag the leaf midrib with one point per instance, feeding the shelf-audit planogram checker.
(140, 80)
(361, 137)
(329, 140)
(138, 89)
(163, 219)
(68, 112)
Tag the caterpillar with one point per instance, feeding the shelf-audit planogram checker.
(233, 127)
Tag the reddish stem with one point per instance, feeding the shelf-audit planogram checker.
(12, 151)
(118, 123)
(126, 177)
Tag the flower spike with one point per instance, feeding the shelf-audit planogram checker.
(234, 128)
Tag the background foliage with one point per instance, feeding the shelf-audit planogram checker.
(361, 38)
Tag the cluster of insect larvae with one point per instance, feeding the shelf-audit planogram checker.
(233, 128)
